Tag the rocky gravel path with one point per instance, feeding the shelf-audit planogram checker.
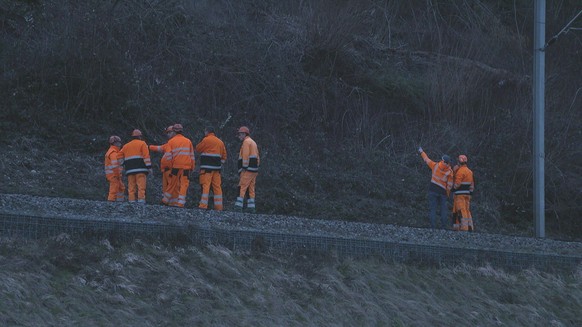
(87, 209)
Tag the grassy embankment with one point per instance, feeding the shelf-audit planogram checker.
(66, 283)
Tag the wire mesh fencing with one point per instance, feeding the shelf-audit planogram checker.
(17, 226)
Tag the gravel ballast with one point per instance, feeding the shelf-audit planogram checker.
(16, 204)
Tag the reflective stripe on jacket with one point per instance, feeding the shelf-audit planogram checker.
(166, 161)
(212, 152)
(136, 157)
(464, 183)
(182, 152)
(442, 175)
(248, 158)
(112, 164)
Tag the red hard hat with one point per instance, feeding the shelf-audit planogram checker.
(136, 132)
(177, 128)
(114, 138)
(169, 129)
(462, 158)
(244, 129)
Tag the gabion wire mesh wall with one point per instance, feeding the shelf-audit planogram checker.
(239, 240)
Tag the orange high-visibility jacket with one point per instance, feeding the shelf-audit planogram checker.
(212, 152)
(248, 158)
(442, 176)
(182, 152)
(166, 161)
(136, 157)
(464, 183)
(112, 164)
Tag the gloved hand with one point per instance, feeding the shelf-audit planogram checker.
(420, 150)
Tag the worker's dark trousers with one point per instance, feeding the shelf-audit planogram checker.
(437, 202)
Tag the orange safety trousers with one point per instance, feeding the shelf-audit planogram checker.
(116, 188)
(136, 183)
(461, 207)
(247, 182)
(178, 184)
(208, 179)
(166, 194)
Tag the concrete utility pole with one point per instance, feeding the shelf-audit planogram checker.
(539, 108)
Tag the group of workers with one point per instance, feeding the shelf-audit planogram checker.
(446, 181)
(178, 162)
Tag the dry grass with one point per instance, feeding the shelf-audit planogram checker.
(62, 282)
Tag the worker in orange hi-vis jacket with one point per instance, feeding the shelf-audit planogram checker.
(212, 154)
(183, 164)
(137, 163)
(113, 170)
(441, 183)
(463, 187)
(248, 169)
(165, 164)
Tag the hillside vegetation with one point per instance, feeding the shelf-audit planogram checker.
(65, 282)
(338, 95)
